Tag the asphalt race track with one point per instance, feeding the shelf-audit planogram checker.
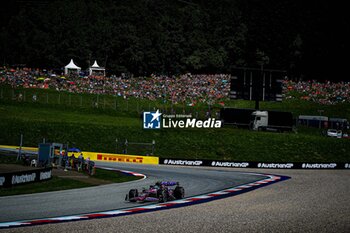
(311, 201)
(110, 197)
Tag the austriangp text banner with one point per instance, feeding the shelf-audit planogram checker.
(245, 164)
(22, 177)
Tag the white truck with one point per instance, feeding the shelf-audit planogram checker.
(272, 121)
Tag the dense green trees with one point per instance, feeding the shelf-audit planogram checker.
(167, 37)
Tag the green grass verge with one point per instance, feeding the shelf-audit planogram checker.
(132, 107)
(113, 176)
(59, 183)
(55, 184)
(96, 130)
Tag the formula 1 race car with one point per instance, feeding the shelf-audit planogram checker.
(162, 192)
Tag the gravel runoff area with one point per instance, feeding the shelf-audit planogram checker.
(311, 201)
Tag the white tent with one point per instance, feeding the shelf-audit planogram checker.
(71, 66)
(96, 69)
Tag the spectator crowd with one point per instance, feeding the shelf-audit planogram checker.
(320, 92)
(186, 88)
(176, 89)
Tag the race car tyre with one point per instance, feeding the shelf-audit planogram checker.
(179, 192)
(132, 194)
(163, 196)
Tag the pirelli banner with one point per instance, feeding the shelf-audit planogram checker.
(235, 164)
(121, 158)
(23, 177)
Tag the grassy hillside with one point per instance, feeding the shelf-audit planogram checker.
(96, 129)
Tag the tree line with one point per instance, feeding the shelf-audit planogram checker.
(175, 36)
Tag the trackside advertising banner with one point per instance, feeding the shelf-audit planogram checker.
(235, 164)
(99, 156)
(122, 158)
(11, 179)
